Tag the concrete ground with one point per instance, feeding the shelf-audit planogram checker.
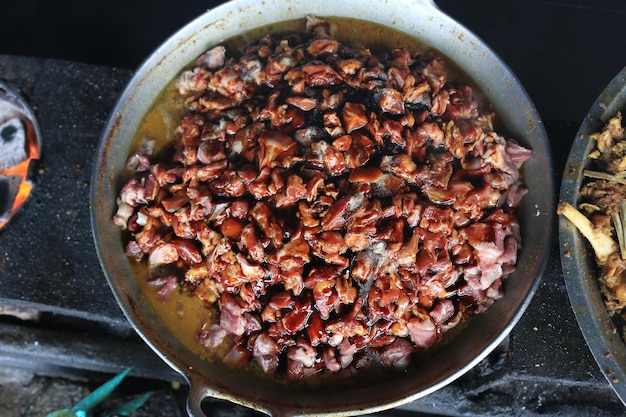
(24, 393)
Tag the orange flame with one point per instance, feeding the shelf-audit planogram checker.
(26, 187)
(23, 169)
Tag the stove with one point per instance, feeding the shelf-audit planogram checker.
(59, 317)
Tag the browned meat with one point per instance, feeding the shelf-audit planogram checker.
(607, 195)
(603, 217)
(331, 206)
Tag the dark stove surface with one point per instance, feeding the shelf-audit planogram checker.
(562, 51)
(48, 257)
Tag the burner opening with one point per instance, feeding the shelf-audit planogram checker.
(19, 148)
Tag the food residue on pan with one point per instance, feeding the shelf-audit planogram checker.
(601, 214)
(331, 206)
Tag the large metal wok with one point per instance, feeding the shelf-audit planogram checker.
(577, 257)
(424, 21)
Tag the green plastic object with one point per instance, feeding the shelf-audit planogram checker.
(87, 406)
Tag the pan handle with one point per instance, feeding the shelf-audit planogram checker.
(197, 394)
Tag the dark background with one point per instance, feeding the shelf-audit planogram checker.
(563, 51)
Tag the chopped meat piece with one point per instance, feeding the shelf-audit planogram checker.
(212, 337)
(423, 331)
(274, 148)
(168, 285)
(316, 75)
(397, 353)
(213, 58)
(237, 356)
(442, 311)
(165, 253)
(324, 46)
(605, 194)
(354, 116)
(391, 101)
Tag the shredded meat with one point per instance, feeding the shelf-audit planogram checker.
(606, 195)
(332, 205)
(603, 202)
